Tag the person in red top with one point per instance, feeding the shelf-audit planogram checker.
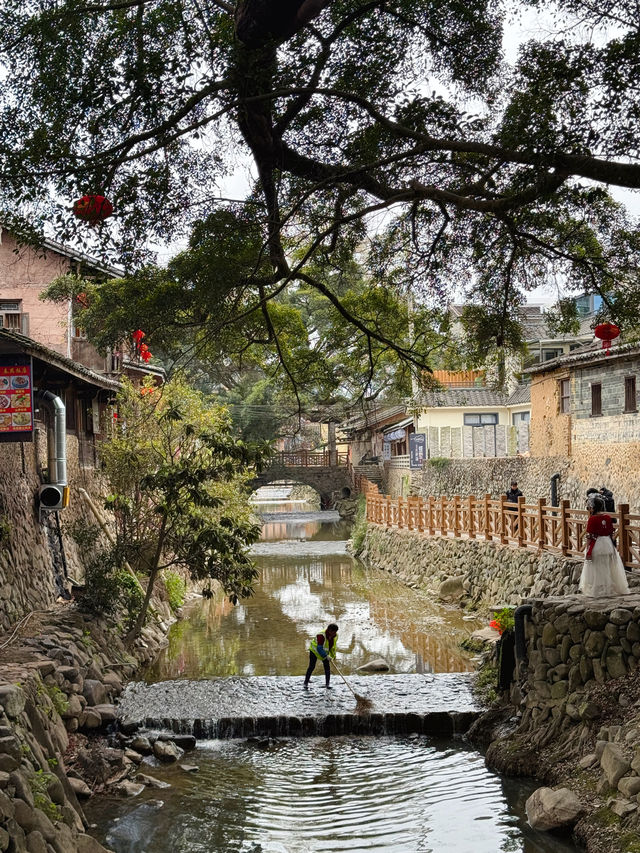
(603, 573)
(322, 647)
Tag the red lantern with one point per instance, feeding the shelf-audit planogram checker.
(606, 332)
(137, 336)
(92, 208)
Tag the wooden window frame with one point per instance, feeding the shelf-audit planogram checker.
(596, 399)
(630, 394)
(565, 399)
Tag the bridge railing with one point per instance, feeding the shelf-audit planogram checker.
(307, 459)
(558, 529)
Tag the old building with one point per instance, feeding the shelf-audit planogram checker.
(584, 407)
(53, 413)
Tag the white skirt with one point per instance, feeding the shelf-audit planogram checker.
(604, 573)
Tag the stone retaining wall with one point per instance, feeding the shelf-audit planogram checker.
(476, 572)
(30, 558)
(574, 644)
(65, 684)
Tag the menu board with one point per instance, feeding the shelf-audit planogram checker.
(16, 399)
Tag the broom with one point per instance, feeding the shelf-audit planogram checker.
(363, 704)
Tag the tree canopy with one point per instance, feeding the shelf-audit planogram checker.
(392, 122)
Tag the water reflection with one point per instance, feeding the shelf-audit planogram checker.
(392, 795)
(297, 595)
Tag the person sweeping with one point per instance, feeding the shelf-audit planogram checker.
(322, 647)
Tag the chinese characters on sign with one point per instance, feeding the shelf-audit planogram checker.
(16, 399)
(417, 449)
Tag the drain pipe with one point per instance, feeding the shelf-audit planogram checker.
(554, 490)
(519, 616)
(57, 462)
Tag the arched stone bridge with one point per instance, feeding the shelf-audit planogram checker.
(327, 473)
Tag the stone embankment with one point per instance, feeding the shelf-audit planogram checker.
(58, 684)
(470, 571)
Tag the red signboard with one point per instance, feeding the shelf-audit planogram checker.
(16, 399)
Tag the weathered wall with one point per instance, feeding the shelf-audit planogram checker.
(24, 273)
(28, 560)
(550, 431)
(616, 466)
(489, 573)
(492, 476)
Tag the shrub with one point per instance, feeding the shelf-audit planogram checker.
(58, 697)
(109, 587)
(359, 525)
(440, 463)
(176, 588)
(503, 620)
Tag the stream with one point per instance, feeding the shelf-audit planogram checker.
(403, 794)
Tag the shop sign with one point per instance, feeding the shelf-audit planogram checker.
(16, 398)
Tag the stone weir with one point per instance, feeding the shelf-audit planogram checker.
(277, 706)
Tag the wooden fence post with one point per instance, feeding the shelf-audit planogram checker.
(399, 513)
(420, 514)
(387, 509)
(471, 503)
(456, 516)
(541, 523)
(409, 506)
(487, 520)
(623, 539)
(443, 515)
(503, 520)
(520, 530)
(564, 527)
(432, 528)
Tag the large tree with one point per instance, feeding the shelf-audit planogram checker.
(393, 120)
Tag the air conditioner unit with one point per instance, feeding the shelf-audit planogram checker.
(53, 497)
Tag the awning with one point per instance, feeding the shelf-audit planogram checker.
(394, 432)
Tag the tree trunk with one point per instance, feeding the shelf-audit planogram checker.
(142, 615)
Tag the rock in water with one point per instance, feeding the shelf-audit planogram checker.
(548, 809)
(451, 589)
(377, 665)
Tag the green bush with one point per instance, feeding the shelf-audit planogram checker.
(504, 619)
(176, 588)
(359, 530)
(110, 588)
(440, 463)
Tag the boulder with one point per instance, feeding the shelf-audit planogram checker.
(614, 763)
(88, 844)
(629, 786)
(553, 809)
(80, 788)
(451, 589)
(12, 700)
(94, 692)
(151, 781)
(166, 750)
(129, 789)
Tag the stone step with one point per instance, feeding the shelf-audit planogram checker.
(278, 706)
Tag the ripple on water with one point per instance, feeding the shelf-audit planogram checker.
(392, 795)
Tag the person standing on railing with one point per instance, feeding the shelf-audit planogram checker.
(603, 573)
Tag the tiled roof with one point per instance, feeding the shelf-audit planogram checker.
(462, 397)
(590, 353)
(522, 394)
(13, 341)
(373, 417)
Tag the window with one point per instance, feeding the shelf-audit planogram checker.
(518, 418)
(481, 420)
(11, 316)
(565, 396)
(630, 400)
(596, 399)
(548, 354)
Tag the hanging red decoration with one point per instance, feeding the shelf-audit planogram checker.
(92, 208)
(137, 336)
(606, 332)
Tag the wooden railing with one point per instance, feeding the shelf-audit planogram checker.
(307, 459)
(559, 529)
